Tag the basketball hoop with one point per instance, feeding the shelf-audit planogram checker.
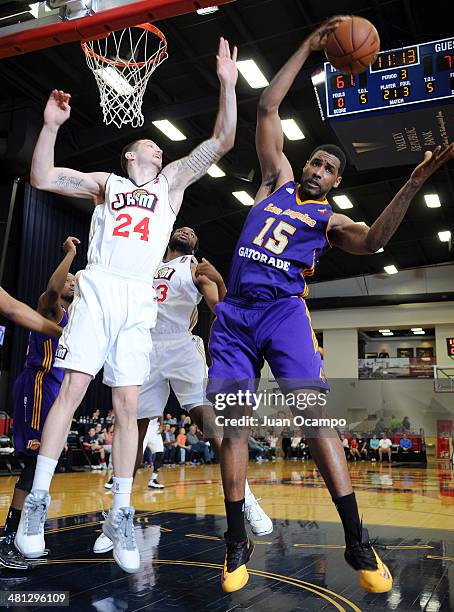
(122, 62)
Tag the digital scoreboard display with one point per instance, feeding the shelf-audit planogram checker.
(420, 73)
(450, 343)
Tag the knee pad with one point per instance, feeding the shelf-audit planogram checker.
(158, 461)
(25, 480)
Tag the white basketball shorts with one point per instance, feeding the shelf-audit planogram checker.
(109, 325)
(177, 360)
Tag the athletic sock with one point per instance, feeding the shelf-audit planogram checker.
(249, 497)
(122, 488)
(45, 468)
(12, 521)
(236, 530)
(348, 512)
(154, 476)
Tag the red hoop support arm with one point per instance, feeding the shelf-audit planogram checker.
(42, 37)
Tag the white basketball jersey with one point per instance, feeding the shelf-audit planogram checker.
(177, 296)
(130, 231)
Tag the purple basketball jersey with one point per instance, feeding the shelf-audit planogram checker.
(41, 353)
(280, 244)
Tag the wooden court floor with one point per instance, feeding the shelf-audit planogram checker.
(300, 566)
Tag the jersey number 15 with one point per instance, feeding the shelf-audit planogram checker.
(279, 241)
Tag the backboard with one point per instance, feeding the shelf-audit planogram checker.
(55, 22)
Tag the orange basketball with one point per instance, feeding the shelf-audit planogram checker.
(353, 46)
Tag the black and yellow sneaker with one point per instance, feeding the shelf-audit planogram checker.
(374, 576)
(10, 557)
(235, 574)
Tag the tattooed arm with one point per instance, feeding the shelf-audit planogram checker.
(359, 239)
(44, 175)
(183, 172)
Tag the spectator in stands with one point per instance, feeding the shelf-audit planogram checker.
(294, 451)
(95, 417)
(379, 426)
(286, 436)
(385, 448)
(383, 355)
(271, 442)
(181, 445)
(110, 418)
(396, 424)
(98, 431)
(362, 447)
(256, 450)
(170, 419)
(374, 445)
(91, 443)
(346, 445)
(304, 448)
(406, 424)
(405, 446)
(198, 446)
(354, 449)
(168, 438)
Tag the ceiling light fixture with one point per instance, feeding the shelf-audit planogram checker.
(169, 130)
(343, 202)
(252, 73)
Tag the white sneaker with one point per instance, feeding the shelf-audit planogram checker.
(102, 544)
(109, 483)
(260, 522)
(154, 484)
(29, 538)
(119, 528)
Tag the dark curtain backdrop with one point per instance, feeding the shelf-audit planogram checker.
(47, 221)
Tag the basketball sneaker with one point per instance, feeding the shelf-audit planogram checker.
(109, 483)
(374, 576)
(10, 558)
(102, 543)
(119, 528)
(234, 574)
(29, 538)
(154, 484)
(260, 522)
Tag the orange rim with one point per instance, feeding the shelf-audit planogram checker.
(121, 64)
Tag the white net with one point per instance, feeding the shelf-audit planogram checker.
(122, 63)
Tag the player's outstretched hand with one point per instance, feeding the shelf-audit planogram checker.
(226, 63)
(206, 270)
(433, 160)
(318, 39)
(70, 244)
(57, 109)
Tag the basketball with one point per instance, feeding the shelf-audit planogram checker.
(353, 46)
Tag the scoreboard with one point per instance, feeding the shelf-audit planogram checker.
(450, 345)
(399, 77)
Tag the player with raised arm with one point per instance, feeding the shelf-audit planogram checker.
(34, 392)
(21, 314)
(264, 315)
(115, 305)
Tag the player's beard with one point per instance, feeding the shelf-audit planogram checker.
(182, 246)
(312, 192)
(68, 298)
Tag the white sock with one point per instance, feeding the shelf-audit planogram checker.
(154, 476)
(45, 468)
(122, 492)
(249, 496)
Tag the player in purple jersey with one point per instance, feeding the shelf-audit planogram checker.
(34, 392)
(264, 315)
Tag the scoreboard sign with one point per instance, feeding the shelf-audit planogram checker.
(411, 75)
(400, 107)
(450, 343)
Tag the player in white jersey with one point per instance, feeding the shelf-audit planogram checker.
(178, 357)
(114, 308)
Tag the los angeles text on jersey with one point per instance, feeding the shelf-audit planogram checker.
(140, 198)
(281, 264)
